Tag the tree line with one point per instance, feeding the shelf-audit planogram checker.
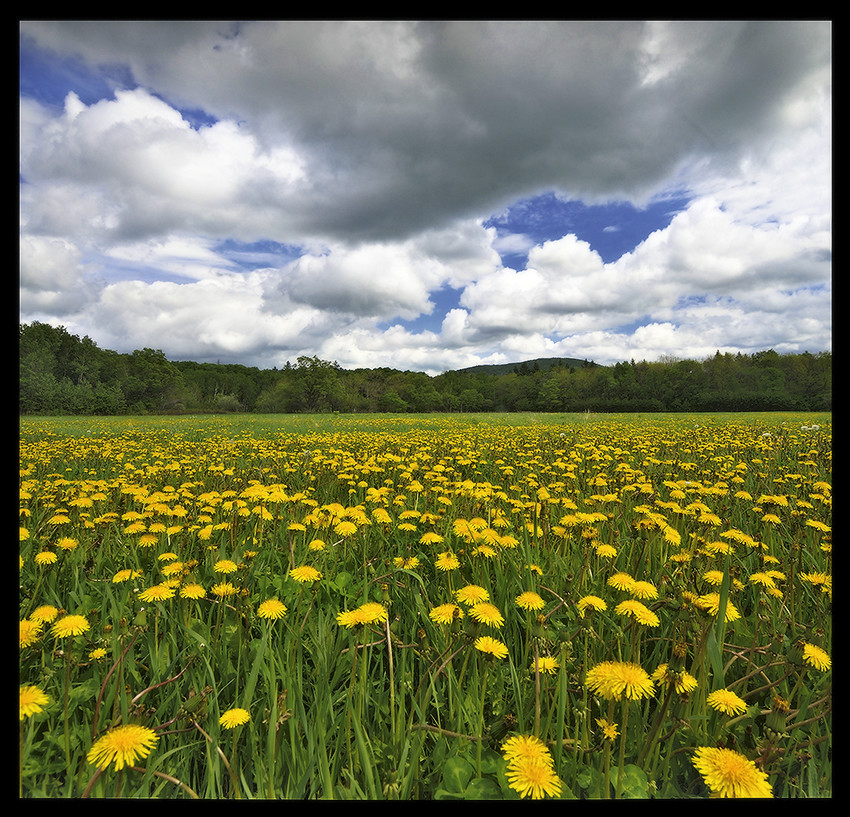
(61, 373)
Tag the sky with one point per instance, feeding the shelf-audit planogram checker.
(428, 195)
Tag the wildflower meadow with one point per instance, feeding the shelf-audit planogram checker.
(435, 607)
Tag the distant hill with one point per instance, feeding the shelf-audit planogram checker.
(540, 363)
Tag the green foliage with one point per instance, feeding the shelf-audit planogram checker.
(63, 374)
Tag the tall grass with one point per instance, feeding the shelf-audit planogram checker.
(406, 707)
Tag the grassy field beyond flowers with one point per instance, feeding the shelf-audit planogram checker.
(429, 607)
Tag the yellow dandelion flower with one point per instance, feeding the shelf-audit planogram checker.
(345, 528)
(30, 631)
(614, 679)
(70, 625)
(445, 613)
(491, 646)
(46, 557)
(409, 563)
(683, 682)
(97, 653)
(525, 747)
(643, 590)
(530, 601)
(546, 663)
(486, 613)
(225, 566)
(609, 730)
(606, 551)
(710, 602)
(159, 592)
(816, 657)
(234, 717)
(67, 543)
(430, 538)
(729, 774)
(533, 778)
(192, 591)
(593, 602)
(272, 609)
(122, 746)
(305, 574)
(714, 577)
(638, 611)
(45, 613)
(727, 702)
(224, 589)
(447, 561)
(472, 594)
(33, 701)
(373, 613)
(349, 618)
(126, 575)
(621, 581)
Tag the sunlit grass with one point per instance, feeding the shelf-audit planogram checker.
(289, 603)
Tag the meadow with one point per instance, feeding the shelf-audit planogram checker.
(404, 607)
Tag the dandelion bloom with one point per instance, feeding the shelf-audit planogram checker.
(638, 611)
(33, 700)
(234, 717)
(70, 625)
(305, 574)
(683, 682)
(272, 609)
(491, 646)
(621, 581)
(472, 594)
(816, 657)
(609, 730)
(97, 653)
(530, 601)
(225, 566)
(159, 592)
(224, 589)
(606, 551)
(518, 747)
(547, 664)
(710, 602)
(726, 701)
(534, 778)
(615, 679)
(345, 528)
(192, 591)
(30, 631)
(593, 602)
(445, 613)
(349, 618)
(122, 745)
(46, 557)
(45, 613)
(729, 774)
(410, 563)
(430, 538)
(372, 612)
(125, 575)
(644, 590)
(487, 613)
(447, 561)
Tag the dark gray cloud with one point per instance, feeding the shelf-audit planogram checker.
(405, 126)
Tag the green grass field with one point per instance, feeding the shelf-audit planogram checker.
(479, 606)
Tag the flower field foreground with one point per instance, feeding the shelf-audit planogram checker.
(426, 607)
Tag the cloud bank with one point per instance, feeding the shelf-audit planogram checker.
(250, 192)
